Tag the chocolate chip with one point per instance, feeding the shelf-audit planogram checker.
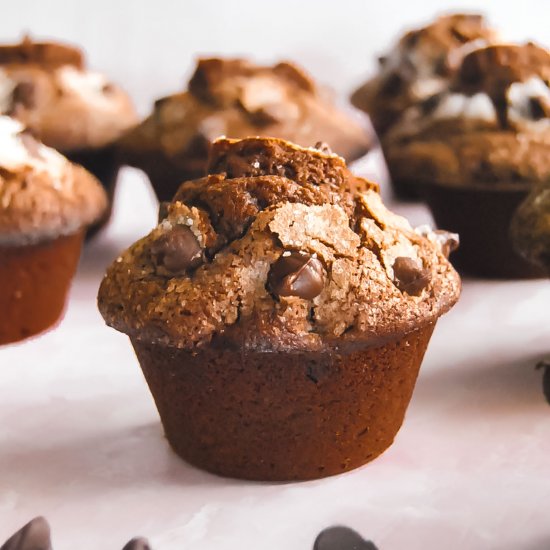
(35, 535)
(24, 94)
(539, 108)
(545, 365)
(177, 250)
(342, 538)
(137, 543)
(448, 241)
(393, 84)
(429, 105)
(297, 274)
(410, 276)
(29, 142)
(323, 147)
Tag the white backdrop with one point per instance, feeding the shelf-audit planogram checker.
(149, 46)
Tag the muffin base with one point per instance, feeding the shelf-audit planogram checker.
(34, 281)
(102, 163)
(282, 416)
(482, 218)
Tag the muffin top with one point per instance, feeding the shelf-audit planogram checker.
(531, 227)
(237, 99)
(280, 248)
(491, 126)
(47, 87)
(42, 195)
(420, 65)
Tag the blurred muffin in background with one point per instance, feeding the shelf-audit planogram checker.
(46, 203)
(417, 67)
(80, 113)
(531, 227)
(477, 149)
(236, 98)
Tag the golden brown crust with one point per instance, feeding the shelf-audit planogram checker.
(235, 98)
(360, 300)
(47, 87)
(42, 195)
(420, 65)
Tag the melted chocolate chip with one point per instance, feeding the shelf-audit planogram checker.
(545, 365)
(342, 538)
(35, 535)
(297, 274)
(410, 276)
(24, 94)
(138, 543)
(177, 250)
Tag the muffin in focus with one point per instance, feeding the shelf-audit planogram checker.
(477, 149)
(417, 67)
(236, 99)
(280, 313)
(46, 203)
(66, 106)
(531, 227)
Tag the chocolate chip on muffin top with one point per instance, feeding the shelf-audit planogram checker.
(289, 257)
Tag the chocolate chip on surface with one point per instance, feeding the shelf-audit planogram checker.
(448, 241)
(177, 250)
(342, 538)
(137, 543)
(545, 365)
(35, 535)
(410, 276)
(323, 147)
(297, 274)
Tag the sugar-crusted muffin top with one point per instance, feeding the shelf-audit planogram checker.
(491, 125)
(279, 248)
(47, 87)
(42, 195)
(420, 65)
(236, 98)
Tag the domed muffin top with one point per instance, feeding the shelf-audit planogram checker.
(279, 248)
(42, 195)
(420, 64)
(236, 98)
(491, 125)
(47, 87)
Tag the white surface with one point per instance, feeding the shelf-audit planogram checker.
(81, 442)
(150, 46)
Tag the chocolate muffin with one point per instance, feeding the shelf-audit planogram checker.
(477, 149)
(76, 111)
(45, 205)
(236, 99)
(279, 313)
(531, 227)
(417, 67)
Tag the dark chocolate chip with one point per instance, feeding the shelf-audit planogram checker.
(545, 365)
(29, 142)
(137, 543)
(24, 94)
(393, 84)
(539, 108)
(429, 105)
(342, 538)
(35, 535)
(410, 276)
(448, 241)
(177, 250)
(297, 274)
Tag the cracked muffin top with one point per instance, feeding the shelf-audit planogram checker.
(235, 98)
(420, 65)
(42, 194)
(280, 248)
(490, 126)
(47, 87)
